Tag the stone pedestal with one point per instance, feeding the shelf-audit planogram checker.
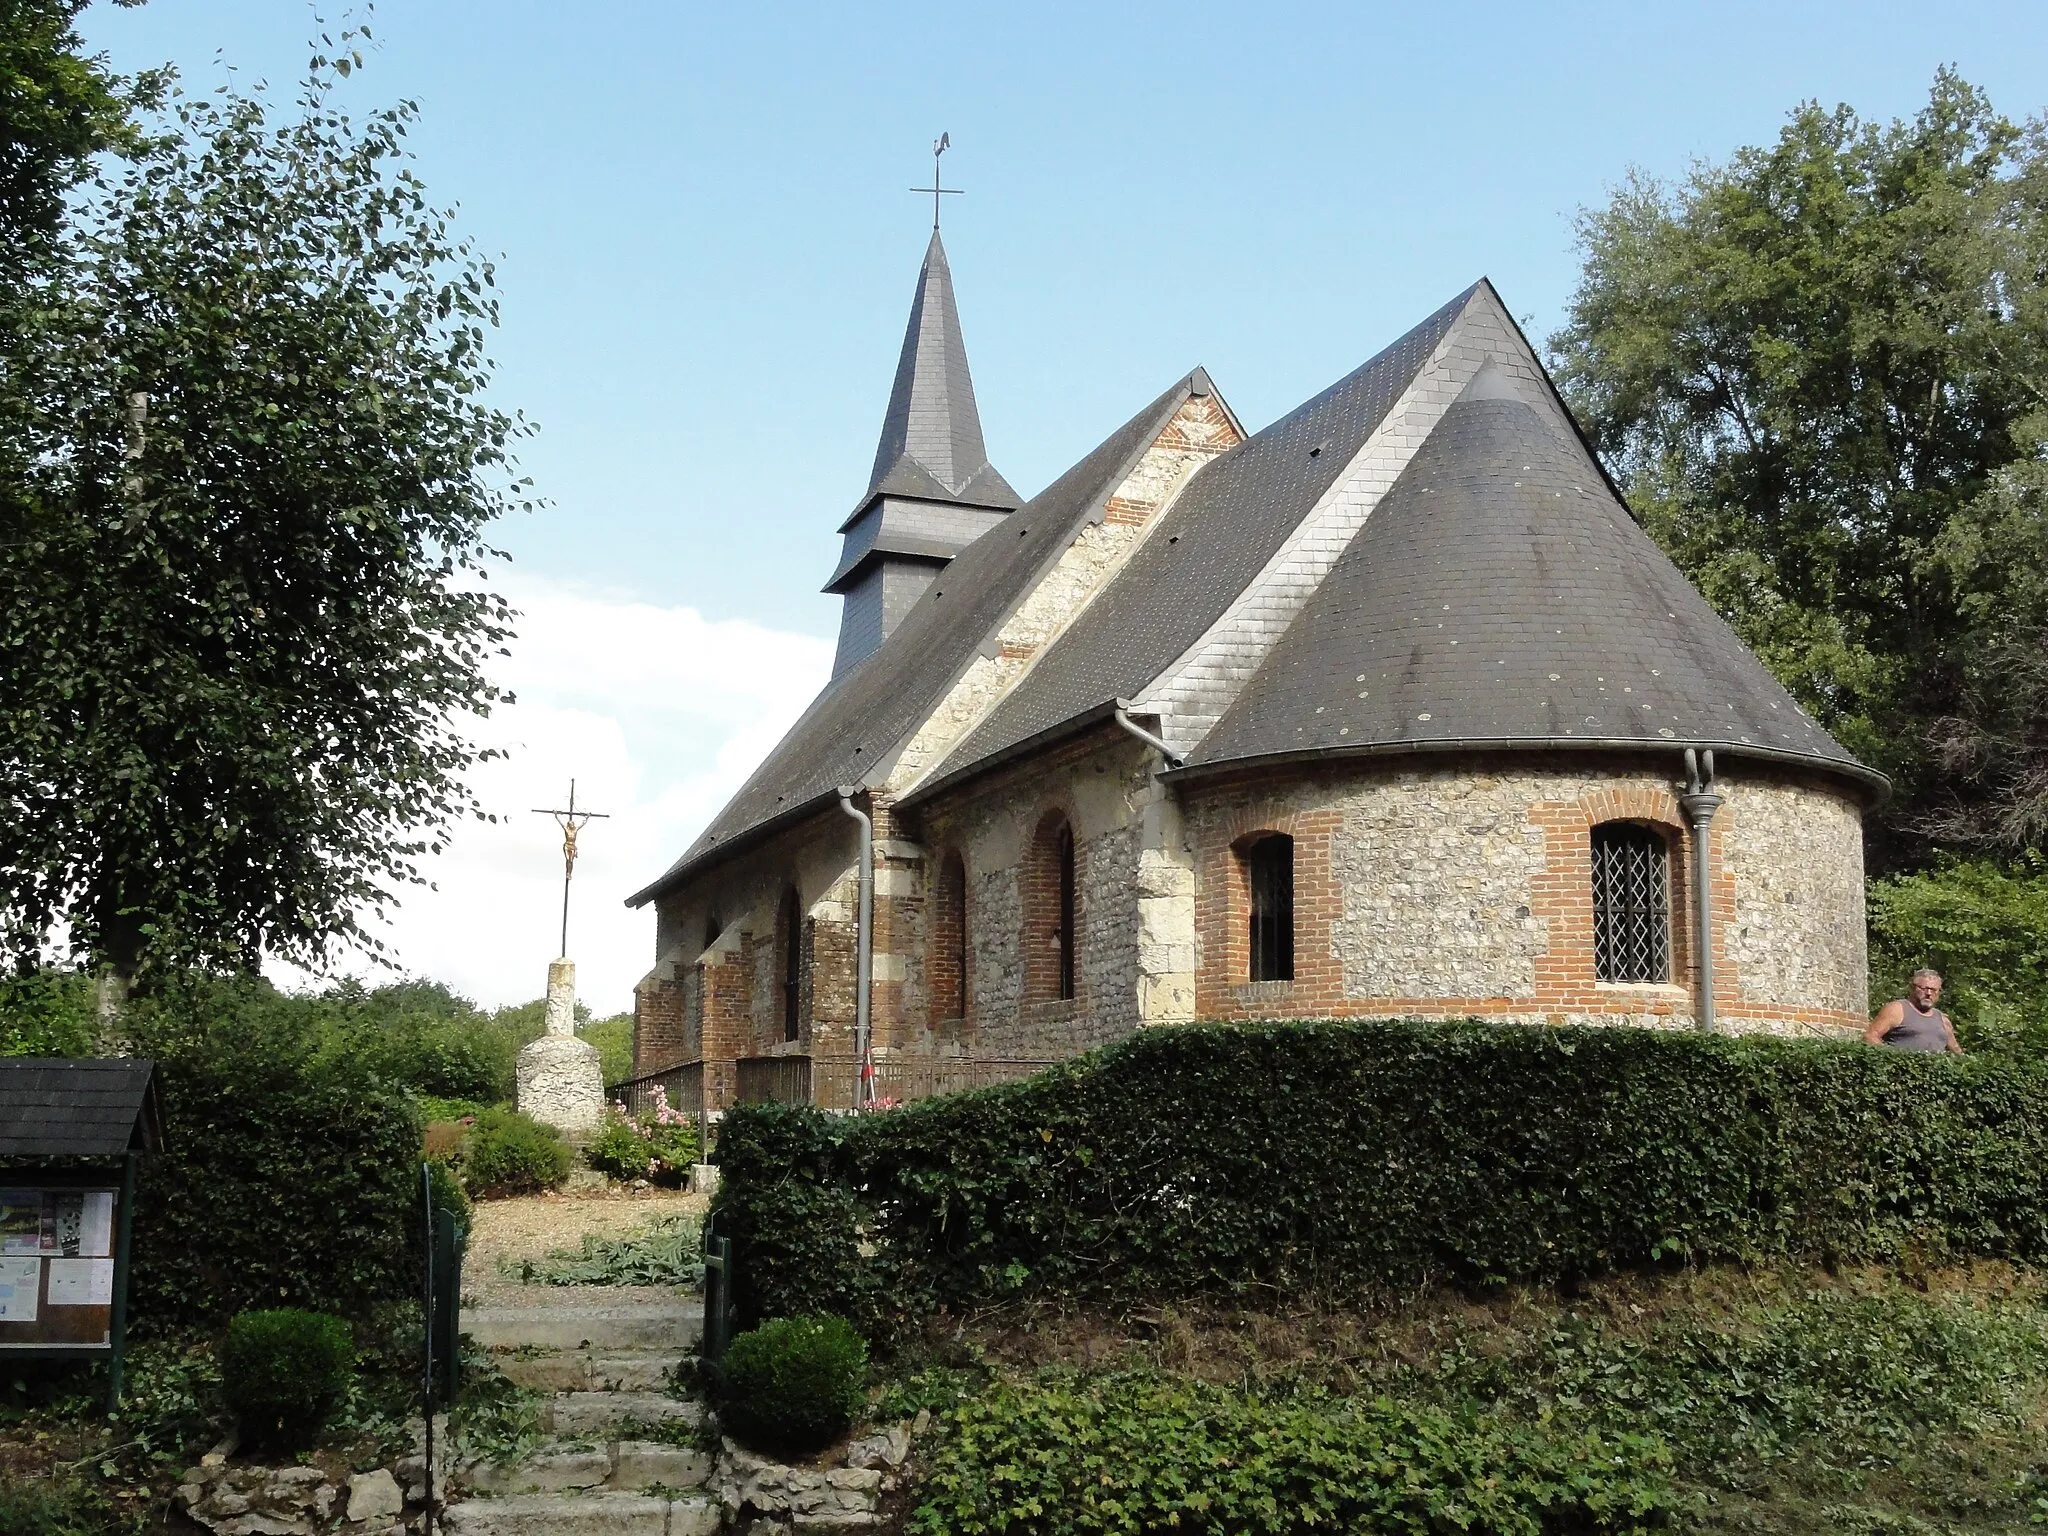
(559, 1080)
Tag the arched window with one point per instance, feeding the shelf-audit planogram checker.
(1050, 912)
(789, 935)
(1269, 877)
(949, 941)
(1631, 903)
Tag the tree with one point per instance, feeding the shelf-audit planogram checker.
(57, 109)
(1819, 370)
(242, 610)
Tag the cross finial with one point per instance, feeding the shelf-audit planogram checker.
(940, 145)
(571, 821)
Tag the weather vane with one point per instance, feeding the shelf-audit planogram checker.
(571, 822)
(943, 143)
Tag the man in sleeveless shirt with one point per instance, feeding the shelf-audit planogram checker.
(1912, 1022)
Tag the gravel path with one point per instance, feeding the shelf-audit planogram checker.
(530, 1226)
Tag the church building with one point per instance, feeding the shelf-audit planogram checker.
(1388, 709)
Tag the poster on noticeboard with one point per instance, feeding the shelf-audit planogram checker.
(56, 1267)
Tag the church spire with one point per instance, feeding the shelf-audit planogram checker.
(931, 437)
(933, 490)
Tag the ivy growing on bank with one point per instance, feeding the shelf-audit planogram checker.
(1351, 1158)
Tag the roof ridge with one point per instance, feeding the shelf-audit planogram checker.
(831, 743)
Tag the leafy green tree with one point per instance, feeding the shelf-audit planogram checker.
(242, 605)
(57, 108)
(1819, 369)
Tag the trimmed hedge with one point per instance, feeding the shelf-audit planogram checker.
(290, 1171)
(1356, 1156)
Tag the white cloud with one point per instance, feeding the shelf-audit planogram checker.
(658, 714)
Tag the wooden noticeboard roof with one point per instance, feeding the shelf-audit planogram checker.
(55, 1107)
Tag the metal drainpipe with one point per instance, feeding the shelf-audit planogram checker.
(1123, 718)
(1699, 802)
(864, 940)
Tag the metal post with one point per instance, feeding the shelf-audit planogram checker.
(117, 1332)
(1699, 802)
(864, 961)
(427, 1350)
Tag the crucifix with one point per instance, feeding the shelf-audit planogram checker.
(944, 143)
(571, 821)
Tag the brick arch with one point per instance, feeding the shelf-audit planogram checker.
(1052, 908)
(1562, 896)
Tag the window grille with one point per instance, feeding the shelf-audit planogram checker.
(1631, 904)
(1270, 868)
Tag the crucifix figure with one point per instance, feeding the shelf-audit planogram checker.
(944, 143)
(571, 821)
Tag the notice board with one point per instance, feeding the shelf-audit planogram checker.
(56, 1264)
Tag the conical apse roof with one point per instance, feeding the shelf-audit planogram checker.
(1502, 596)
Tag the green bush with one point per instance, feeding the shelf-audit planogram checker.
(1345, 1158)
(290, 1172)
(794, 1383)
(41, 1507)
(1073, 1456)
(283, 1372)
(507, 1153)
(448, 1193)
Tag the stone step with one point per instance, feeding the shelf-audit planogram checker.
(616, 1328)
(581, 1371)
(629, 1465)
(600, 1413)
(582, 1514)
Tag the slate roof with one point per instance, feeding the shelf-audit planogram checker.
(1501, 595)
(53, 1107)
(1211, 542)
(853, 730)
(931, 445)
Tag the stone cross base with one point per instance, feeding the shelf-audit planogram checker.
(559, 1080)
(560, 1085)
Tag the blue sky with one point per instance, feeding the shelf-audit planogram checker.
(707, 248)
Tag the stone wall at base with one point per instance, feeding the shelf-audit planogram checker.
(1448, 888)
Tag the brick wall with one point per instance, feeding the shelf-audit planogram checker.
(1467, 890)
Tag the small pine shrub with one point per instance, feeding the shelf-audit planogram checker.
(508, 1153)
(283, 1372)
(794, 1383)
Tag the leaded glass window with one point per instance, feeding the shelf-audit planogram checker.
(1631, 903)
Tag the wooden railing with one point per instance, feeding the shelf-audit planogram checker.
(830, 1082)
(682, 1085)
(835, 1080)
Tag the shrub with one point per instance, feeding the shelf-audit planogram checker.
(448, 1194)
(1063, 1456)
(659, 1146)
(1355, 1157)
(794, 1383)
(666, 1250)
(508, 1153)
(792, 1217)
(290, 1173)
(283, 1372)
